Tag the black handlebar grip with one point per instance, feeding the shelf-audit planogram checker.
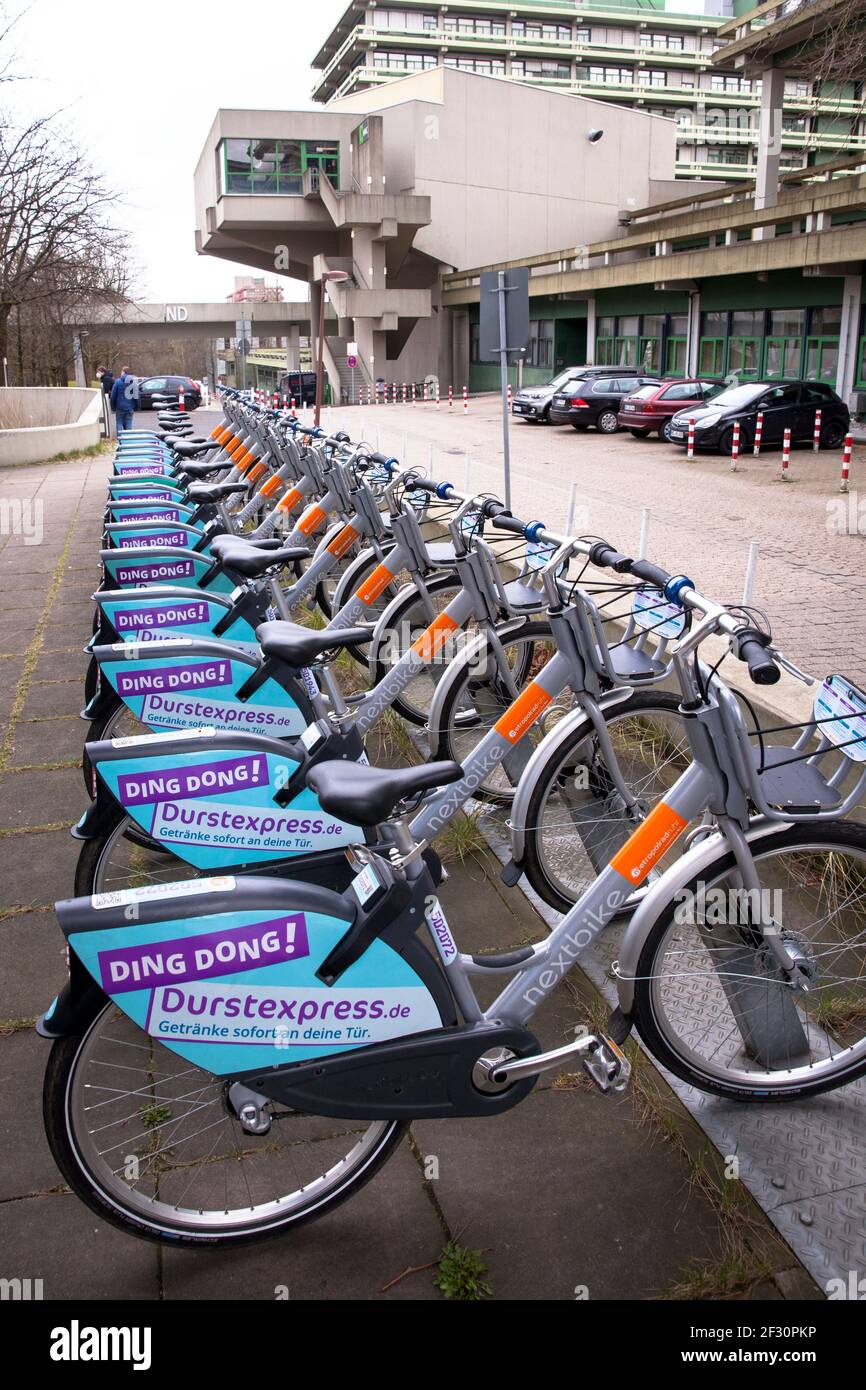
(491, 508)
(652, 574)
(415, 480)
(504, 521)
(380, 458)
(604, 555)
(752, 648)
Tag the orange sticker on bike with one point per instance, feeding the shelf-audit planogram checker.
(645, 847)
(433, 639)
(311, 521)
(290, 501)
(529, 704)
(374, 586)
(256, 473)
(271, 486)
(342, 541)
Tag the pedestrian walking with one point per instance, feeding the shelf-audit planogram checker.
(124, 400)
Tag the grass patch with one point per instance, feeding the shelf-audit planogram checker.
(461, 1274)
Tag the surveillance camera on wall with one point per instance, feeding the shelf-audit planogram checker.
(593, 136)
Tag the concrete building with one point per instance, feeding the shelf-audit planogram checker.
(653, 55)
(430, 174)
(409, 189)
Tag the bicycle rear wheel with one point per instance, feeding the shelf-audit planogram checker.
(710, 1002)
(153, 1144)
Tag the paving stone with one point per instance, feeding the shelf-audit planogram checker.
(46, 699)
(91, 1261)
(388, 1227)
(566, 1190)
(70, 664)
(32, 963)
(38, 869)
(41, 798)
(27, 1162)
(48, 741)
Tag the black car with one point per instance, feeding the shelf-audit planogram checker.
(299, 387)
(783, 404)
(596, 401)
(156, 386)
(532, 403)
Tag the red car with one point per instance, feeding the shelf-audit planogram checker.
(650, 409)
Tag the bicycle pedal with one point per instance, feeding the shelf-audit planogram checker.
(608, 1066)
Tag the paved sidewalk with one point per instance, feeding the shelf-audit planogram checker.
(570, 1191)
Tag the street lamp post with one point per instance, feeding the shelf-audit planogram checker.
(334, 275)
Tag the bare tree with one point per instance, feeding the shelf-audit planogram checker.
(58, 244)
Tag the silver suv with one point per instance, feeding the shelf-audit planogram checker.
(532, 404)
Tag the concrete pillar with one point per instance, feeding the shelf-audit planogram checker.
(769, 144)
(849, 335)
(591, 320)
(293, 348)
(80, 379)
(694, 334)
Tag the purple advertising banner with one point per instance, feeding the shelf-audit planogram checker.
(167, 516)
(133, 619)
(163, 678)
(205, 956)
(177, 783)
(176, 538)
(166, 569)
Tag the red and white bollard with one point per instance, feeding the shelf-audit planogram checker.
(450, 397)
(404, 393)
(509, 399)
(393, 393)
(292, 405)
(180, 404)
(413, 393)
(437, 395)
(816, 433)
(846, 462)
(784, 471)
(465, 400)
(735, 446)
(759, 430)
(690, 451)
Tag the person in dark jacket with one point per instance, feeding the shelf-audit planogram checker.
(124, 400)
(105, 377)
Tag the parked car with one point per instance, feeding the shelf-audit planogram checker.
(652, 408)
(299, 387)
(533, 402)
(150, 386)
(784, 405)
(597, 401)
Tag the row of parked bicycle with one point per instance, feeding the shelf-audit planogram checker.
(264, 989)
(617, 398)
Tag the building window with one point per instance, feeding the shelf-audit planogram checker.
(537, 68)
(484, 28)
(540, 343)
(711, 350)
(822, 344)
(275, 166)
(490, 67)
(605, 330)
(606, 76)
(548, 33)
(727, 154)
(729, 82)
(404, 62)
(656, 77)
(403, 19)
(672, 43)
(783, 349)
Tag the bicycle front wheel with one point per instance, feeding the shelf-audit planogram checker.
(710, 1001)
(575, 818)
(154, 1145)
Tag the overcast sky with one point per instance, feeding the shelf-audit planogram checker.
(140, 85)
